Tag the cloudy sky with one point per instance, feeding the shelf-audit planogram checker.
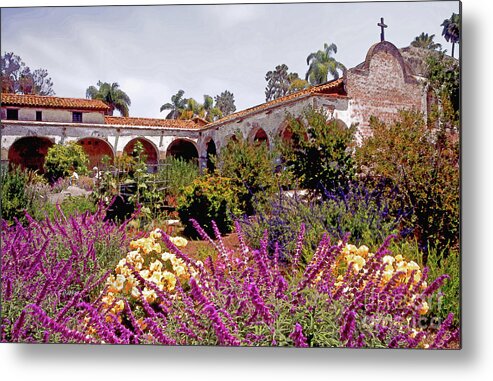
(153, 51)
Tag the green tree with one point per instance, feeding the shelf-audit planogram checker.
(425, 41)
(177, 105)
(443, 75)
(112, 95)
(251, 167)
(225, 102)
(281, 83)
(296, 83)
(423, 162)
(207, 199)
(451, 30)
(64, 159)
(320, 155)
(17, 77)
(192, 109)
(14, 198)
(211, 111)
(321, 64)
(277, 83)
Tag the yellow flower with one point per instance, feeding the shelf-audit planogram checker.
(149, 295)
(387, 275)
(388, 259)
(129, 284)
(156, 277)
(179, 241)
(167, 256)
(401, 266)
(155, 234)
(399, 258)
(144, 273)
(363, 251)
(119, 305)
(424, 308)
(170, 280)
(389, 268)
(135, 292)
(108, 299)
(157, 265)
(412, 266)
(359, 262)
(352, 248)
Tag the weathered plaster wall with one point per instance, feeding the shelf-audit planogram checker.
(54, 115)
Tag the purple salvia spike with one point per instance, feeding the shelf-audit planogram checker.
(299, 248)
(299, 340)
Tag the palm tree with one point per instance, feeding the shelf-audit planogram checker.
(426, 42)
(321, 64)
(211, 112)
(112, 95)
(191, 109)
(177, 105)
(451, 30)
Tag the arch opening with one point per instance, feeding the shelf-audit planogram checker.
(96, 149)
(211, 153)
(150, 152)
(183, 149)
(29, 153)
(261, 137)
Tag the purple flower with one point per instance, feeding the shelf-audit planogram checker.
(299, 340)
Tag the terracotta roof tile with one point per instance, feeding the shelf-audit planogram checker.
(52, 102)
(333, 88)
(170, 123)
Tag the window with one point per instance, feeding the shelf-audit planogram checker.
(77, 117)
(39, 116)
(12, 114)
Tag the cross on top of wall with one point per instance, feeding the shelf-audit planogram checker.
(382, 26)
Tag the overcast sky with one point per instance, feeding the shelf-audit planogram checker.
(153, 51)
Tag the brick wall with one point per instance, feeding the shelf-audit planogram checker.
(381, 86)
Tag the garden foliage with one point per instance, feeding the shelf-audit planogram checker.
(14, 197)
(321, 153)
(64, 159)
(54, 265)
(207, 199)
(422, 161)
(359, 212)
(345, 297)
(252, 169)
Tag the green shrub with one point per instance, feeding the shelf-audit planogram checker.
(358, 212)
(445, 262)
(14, 198)
(208, 199)
(70, 206)
(176, 174)
(63, 159)
(422, 162)
(251, 167)
(320, 153)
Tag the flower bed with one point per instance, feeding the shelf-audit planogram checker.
(345, 297)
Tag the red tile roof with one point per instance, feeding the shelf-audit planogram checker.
(334, 88)
(170, 123)
(7, 99)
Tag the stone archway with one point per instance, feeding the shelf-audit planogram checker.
(96, 149)
(210, 153)
(150, 152)
(260, 136)
(183, 149)
(30, 152)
